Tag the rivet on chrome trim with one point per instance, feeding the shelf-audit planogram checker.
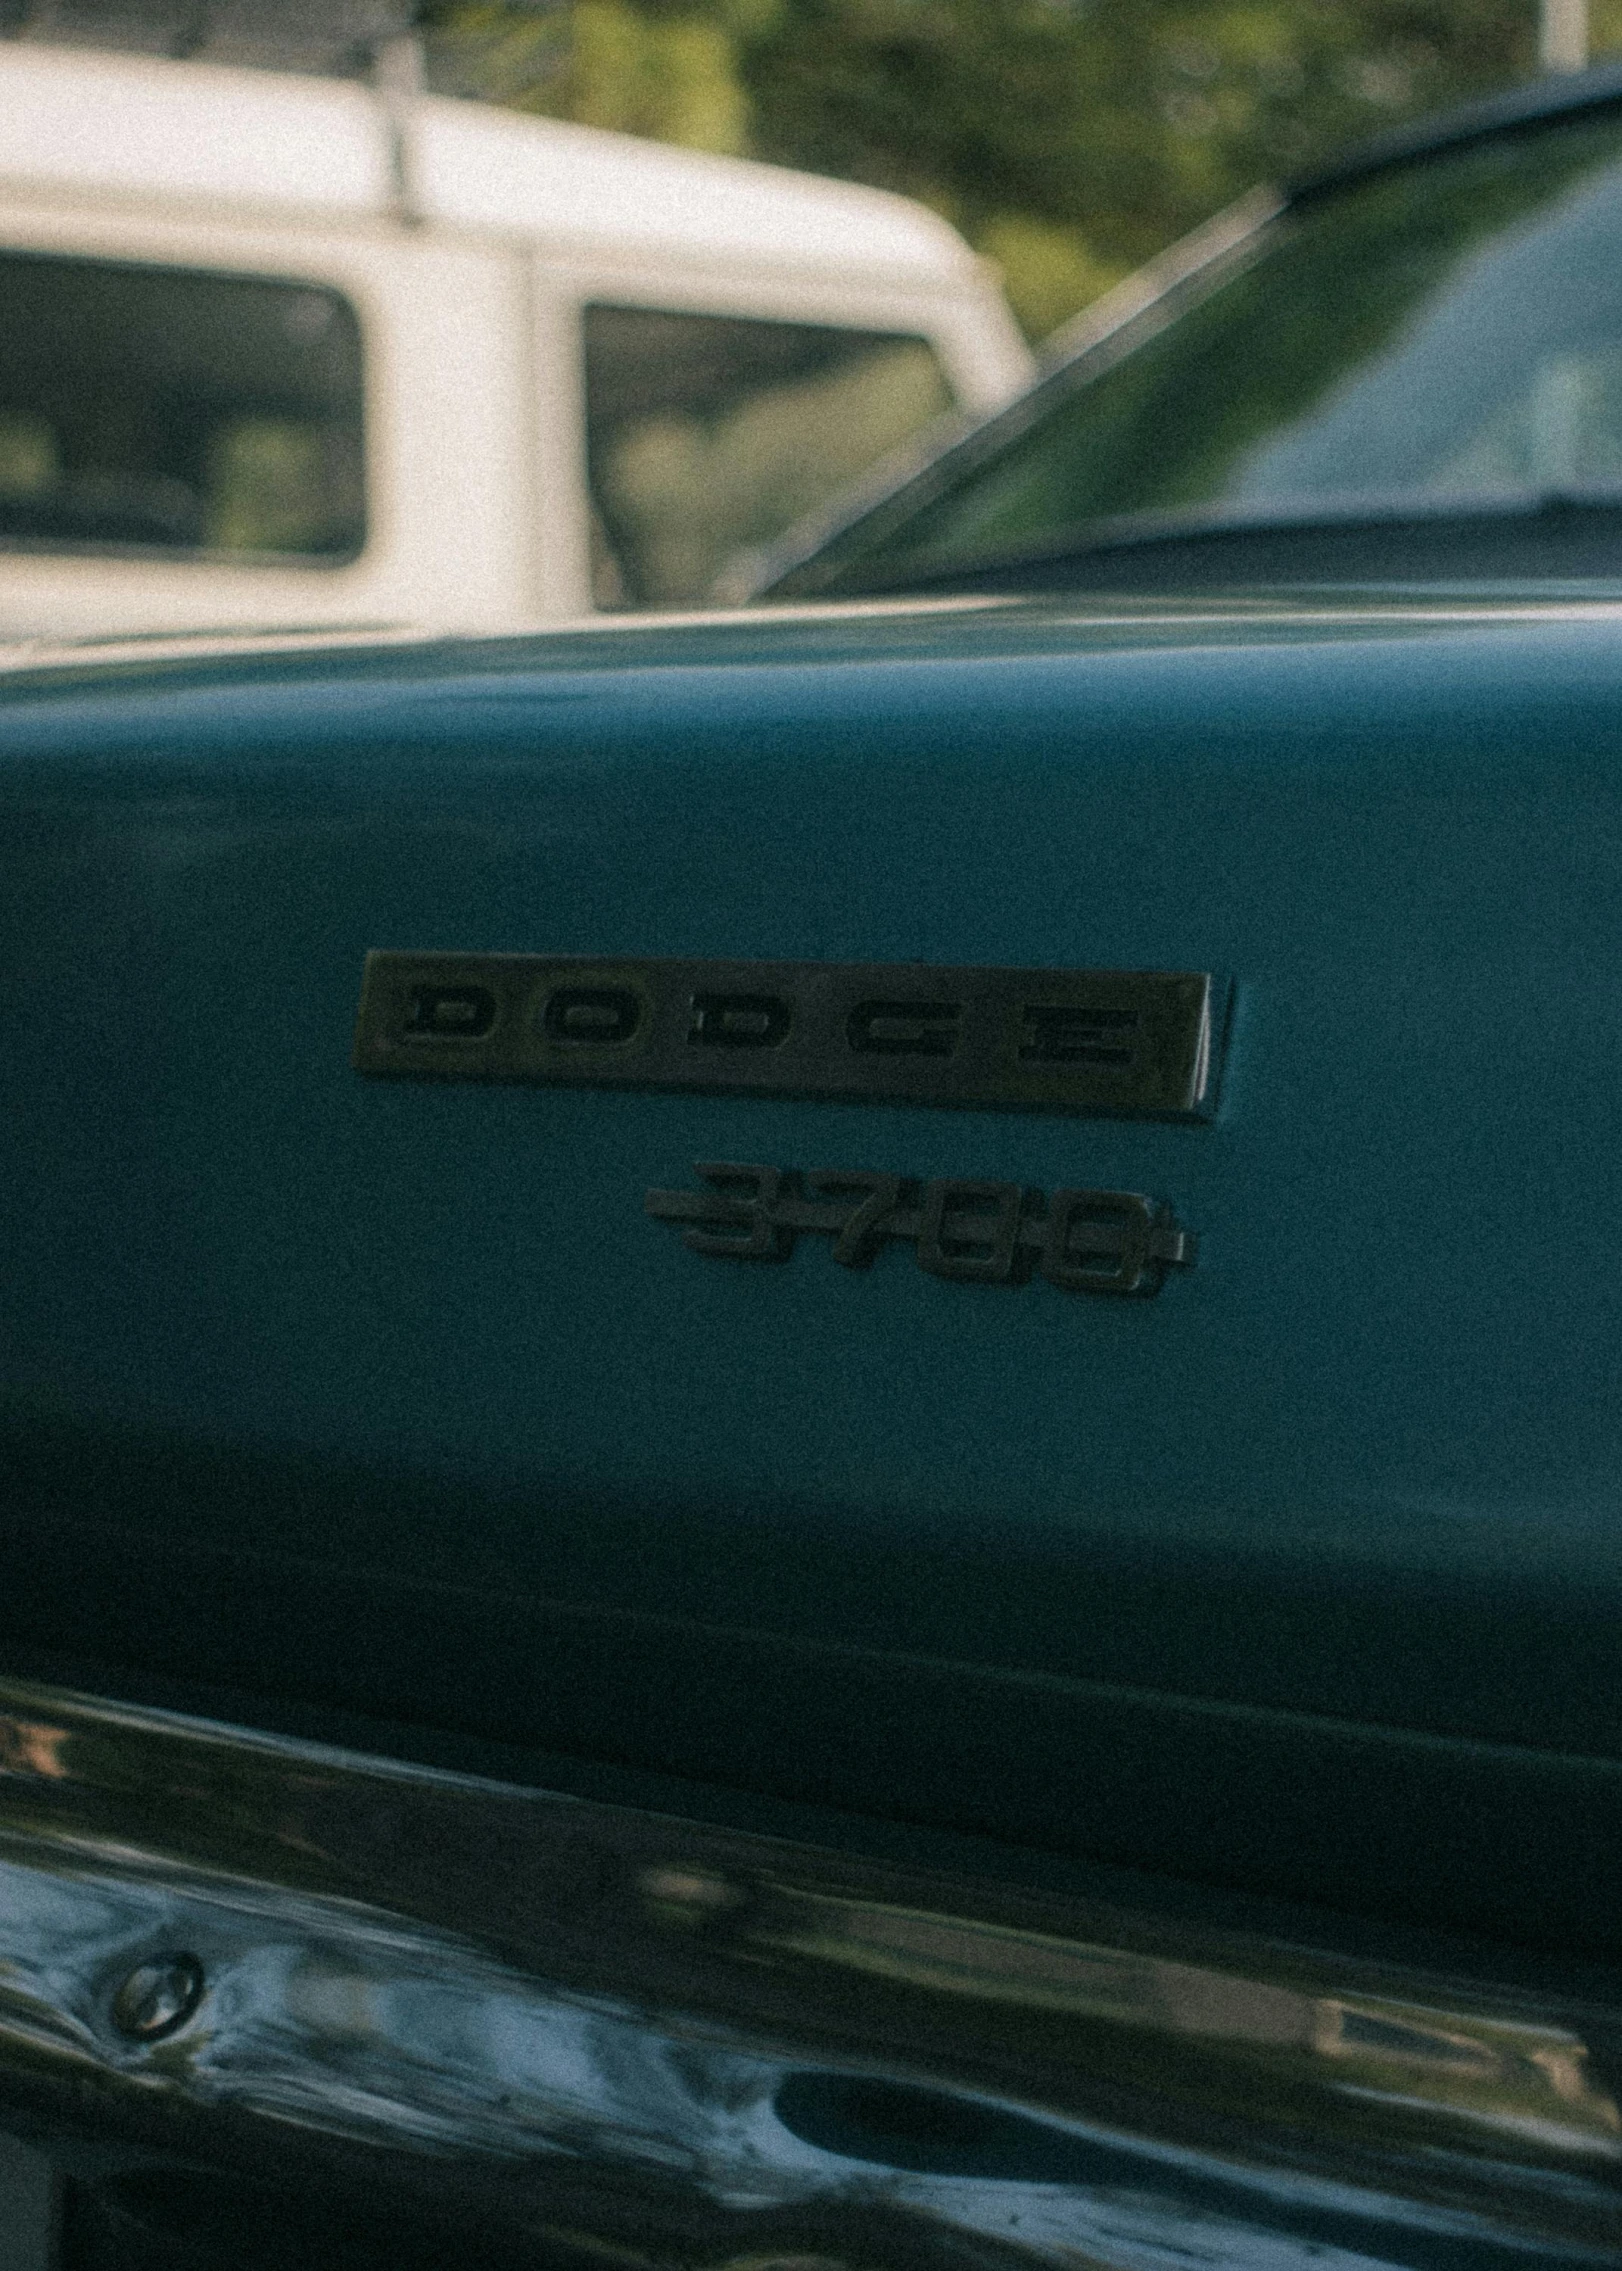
(158, 1998)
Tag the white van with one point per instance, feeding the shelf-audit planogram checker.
(278, 350)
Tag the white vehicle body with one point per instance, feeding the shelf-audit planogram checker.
(467, 242)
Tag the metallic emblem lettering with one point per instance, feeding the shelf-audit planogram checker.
(739, 1021)
(746, 1219)
(1056, 1035)
(982, 1233)
(904, 1028)
(866, 1226)
(448, 1013)
(591, 1017)
(1104, 1241)
(970, 1230)
(1132, 1042)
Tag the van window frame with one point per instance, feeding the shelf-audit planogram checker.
(190, 556)
(622, 298)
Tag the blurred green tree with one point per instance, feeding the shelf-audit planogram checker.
(1068, 139)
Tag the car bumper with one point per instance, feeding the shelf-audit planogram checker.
(237, 1965)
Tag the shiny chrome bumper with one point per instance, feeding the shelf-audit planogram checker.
(575, 2032)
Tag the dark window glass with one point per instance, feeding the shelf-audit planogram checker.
(1443, 334)
(161, 408)
(708, 435)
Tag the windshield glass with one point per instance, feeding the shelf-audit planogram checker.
(1448, 332)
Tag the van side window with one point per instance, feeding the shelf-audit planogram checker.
(707, 435)
(163, 409)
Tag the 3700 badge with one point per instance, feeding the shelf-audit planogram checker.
(981, 1232)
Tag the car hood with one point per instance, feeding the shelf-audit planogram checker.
(400, 1395)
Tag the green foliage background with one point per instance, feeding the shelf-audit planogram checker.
(1068, 139)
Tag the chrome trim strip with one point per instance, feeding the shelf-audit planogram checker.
(612, 2033)
(1226, 231)
(1103, 329)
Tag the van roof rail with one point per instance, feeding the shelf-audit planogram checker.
(329, 38)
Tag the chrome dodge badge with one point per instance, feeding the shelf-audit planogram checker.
(1129, 1042)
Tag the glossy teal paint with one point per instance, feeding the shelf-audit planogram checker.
(1303, 1576)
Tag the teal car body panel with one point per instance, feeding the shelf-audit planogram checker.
(553, 1712)
(1300, 1579)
